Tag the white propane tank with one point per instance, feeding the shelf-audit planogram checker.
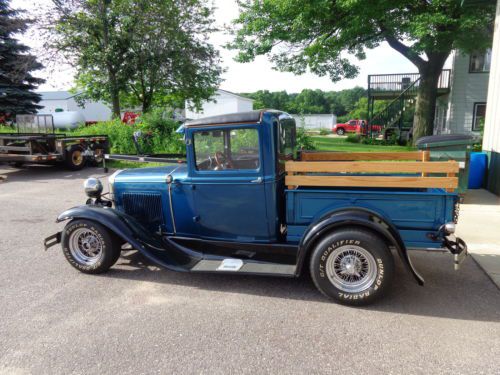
(68, 120)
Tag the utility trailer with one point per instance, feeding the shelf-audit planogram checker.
(37, 142)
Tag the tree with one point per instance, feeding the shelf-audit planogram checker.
(170, 58)
(17, 84)
(319, 34)
(360, 109)
(311, 101)
(93, 36)
(137, 51)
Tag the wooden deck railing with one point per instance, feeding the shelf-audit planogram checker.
(305, 172)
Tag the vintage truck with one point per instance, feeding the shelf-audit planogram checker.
(243, 202)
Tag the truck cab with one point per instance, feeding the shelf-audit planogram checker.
(228, 209)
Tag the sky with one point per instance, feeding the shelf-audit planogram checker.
(249, 77)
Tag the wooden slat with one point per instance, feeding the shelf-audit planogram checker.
(351, 156)
(426, 156)
(373, 181)
(374, 167)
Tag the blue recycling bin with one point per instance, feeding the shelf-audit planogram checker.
(478, 166)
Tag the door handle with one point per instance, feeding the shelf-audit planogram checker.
(258, 180)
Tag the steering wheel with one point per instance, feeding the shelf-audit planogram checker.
(222, 161)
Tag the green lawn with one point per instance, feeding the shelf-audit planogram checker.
(323, 143)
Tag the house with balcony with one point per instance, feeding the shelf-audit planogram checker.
(461, 101)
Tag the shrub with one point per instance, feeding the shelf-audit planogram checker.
(324, 131)
(120, 135)
(157, 130)
(304, 140)
(353, 138)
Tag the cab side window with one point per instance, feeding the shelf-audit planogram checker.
(286, 134)
(217, 150)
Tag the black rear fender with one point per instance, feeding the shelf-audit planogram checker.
(355, 217)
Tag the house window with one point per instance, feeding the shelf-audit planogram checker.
(480, 62)
(479, 115)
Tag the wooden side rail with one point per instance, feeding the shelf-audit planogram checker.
(373, 167)
(299, 174)
(353, 156)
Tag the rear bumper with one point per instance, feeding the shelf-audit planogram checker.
(458, 248)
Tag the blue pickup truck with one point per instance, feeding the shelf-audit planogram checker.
(228, 209)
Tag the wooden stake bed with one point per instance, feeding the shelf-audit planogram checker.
(305, 172)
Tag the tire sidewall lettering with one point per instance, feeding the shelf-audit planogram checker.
(67, 232)
(323, 278)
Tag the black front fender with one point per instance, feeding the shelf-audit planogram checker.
(150, 244)
(355, 217)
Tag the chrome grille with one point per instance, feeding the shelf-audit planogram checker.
(145, 207)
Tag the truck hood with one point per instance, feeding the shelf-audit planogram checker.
(156, 174)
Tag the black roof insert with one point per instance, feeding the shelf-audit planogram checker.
(230, 118)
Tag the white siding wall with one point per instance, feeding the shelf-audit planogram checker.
(245, 105)
(316, 121)
(224, 103)
(491, 139)
(466, 89)
(92, 111)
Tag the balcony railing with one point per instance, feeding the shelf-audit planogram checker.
(394, 83)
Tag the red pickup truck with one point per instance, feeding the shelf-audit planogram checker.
(355, 126)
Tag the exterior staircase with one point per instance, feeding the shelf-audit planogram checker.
(401, 89)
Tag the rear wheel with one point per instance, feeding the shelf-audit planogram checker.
(75, 158)
(340, 131)
(352, 266)
(89, 247)
(98, 155)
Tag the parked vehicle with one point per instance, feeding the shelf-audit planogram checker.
(36, 142)
(355, 126)
(130, 118)
(243, 203)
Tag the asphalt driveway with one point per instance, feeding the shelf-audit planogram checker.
(140, 319)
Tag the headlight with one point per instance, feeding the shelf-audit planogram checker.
(92, 187)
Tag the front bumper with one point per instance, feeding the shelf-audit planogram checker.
(52, 240)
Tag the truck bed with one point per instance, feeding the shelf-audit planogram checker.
(415, 212)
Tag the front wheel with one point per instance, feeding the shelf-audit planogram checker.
(352, 266)
(89, 247)
(340, 131)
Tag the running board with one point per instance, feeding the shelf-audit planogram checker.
(233, 265)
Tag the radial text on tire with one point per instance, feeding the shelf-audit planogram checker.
(352, 266)
(89, 246)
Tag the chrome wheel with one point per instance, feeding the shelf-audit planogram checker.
(351, 268)
(86, 246)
